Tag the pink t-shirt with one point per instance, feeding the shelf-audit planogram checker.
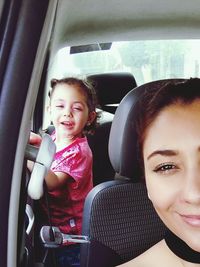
(66, 204)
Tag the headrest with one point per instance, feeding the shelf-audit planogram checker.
(122, 140)
(112, 87)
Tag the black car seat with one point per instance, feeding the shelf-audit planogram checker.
(110, 88)
(118, 216)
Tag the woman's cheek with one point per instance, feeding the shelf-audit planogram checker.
(160, 194)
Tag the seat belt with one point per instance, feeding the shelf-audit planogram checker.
(43, 158)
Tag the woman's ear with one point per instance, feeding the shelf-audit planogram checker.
(91, 117)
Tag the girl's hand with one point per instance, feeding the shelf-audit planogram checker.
(35, 139)
(30, 165)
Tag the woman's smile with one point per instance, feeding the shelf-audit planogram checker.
(192, 220)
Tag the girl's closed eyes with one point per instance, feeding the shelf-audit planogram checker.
(59, 106)
(78, 107)
(75, 107)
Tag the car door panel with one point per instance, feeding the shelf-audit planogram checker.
(21, 35)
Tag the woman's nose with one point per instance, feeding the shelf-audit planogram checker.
(191, 187)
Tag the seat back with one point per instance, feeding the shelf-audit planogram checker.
(120, 221)
(118, 216)
(98, 142)
(111, 87)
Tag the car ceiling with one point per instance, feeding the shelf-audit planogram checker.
(88, 21)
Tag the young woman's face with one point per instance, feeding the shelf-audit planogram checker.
(171, 153)
(69, 111)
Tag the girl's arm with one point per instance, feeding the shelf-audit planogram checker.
(55, 180)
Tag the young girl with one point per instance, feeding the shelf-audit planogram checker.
(72, 110)
(168, 129)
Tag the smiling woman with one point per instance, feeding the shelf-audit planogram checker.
(168, 129)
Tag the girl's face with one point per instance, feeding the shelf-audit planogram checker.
(171, 152)
(69, 111)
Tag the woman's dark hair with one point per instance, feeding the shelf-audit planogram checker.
(89, 92)
(153, 100)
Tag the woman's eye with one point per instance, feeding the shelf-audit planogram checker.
(164, 168)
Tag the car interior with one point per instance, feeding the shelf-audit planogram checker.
(123, 48)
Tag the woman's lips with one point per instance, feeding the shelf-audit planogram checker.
(193, 220)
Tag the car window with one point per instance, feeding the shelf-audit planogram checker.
(146, 60)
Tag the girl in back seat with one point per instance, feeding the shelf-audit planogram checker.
(72, 110)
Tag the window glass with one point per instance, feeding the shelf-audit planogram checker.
(146, 60)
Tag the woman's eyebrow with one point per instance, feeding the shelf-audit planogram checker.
(166, 152)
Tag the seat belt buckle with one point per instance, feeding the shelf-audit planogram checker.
(52, 237)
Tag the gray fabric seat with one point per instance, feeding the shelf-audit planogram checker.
(110, 88)
(118, 216)
(121, 223)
